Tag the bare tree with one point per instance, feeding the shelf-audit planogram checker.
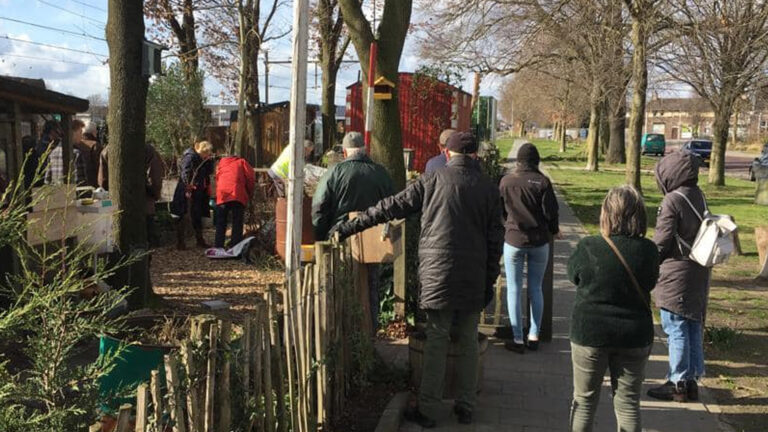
(176, 23)
(386, 146)
(236, 33)
(721, 54)
(332, 45)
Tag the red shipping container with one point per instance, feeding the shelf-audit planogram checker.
(427, 107)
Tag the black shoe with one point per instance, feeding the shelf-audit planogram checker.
(515, 347)
(692, 388)
(464, 414)
(532, 345)
(670, 391)
(413, 415)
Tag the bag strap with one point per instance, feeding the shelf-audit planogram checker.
(635, 283)
(701, 218)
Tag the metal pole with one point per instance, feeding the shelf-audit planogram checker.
(296, 139)
(266, 77)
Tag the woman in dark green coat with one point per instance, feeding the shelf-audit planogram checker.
(611, 321)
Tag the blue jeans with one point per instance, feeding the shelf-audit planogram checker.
(686, 349)
(514, 258)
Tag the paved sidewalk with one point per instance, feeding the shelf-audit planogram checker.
(532, 392)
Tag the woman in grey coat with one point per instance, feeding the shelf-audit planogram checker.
(683, 287)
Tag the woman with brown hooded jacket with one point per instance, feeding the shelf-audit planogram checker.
(683, 287)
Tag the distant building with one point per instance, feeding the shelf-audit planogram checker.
(686, 118)
(220, 113)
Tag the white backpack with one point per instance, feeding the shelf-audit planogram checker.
(714, 241)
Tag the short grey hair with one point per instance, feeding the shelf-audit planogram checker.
(623, 213)
(353, 140)
(352, 151)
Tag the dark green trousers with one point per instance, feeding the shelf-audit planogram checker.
(435, 355)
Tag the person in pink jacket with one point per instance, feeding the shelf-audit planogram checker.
(235, 182)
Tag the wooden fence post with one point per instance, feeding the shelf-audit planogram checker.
(224, 395)
(157, 402)
(142, 407)
(124, 418)
(277, 353)
(193, 386)
(174, 398)
(210, 381)
(399, 272)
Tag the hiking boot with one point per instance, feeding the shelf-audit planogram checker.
(464, 414)
(413, 415)
(515, 347)
(692, 390)
(670, 391)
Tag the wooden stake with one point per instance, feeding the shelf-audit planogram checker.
(210, 381)
(142, 408)
(174, 399)
(258, 373)
(269, 402)
(224, 396)
(193, 386)
(309, 352)
(319, 286)
(287, 306)
(124, 418)
(274, 329)
(157, 402)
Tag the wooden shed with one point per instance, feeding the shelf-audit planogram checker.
(427, 107)
(23, 103)
(274, 125)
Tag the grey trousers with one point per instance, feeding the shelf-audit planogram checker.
(627, 371)
(435, 355)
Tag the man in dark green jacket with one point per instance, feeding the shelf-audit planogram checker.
(352, 185)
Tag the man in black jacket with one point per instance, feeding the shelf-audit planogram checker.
(459, 251)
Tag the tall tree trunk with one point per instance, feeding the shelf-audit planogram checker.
(637, 113)
(616, 146)
(594, 128)
(328, 108)
(605, 130)
(564, 115)
(556, 130)
(386, 137)
(127, 115)
(720, 129)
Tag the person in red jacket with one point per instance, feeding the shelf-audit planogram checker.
(235, 181)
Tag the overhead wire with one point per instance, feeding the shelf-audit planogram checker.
(72, 13)
(52, 46)
(84, 35)
(50, 60)
(89, 5)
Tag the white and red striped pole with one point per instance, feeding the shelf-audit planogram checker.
(369, 96)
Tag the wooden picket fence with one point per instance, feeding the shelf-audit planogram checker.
(289, 370)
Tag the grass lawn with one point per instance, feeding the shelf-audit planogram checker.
(737, 322)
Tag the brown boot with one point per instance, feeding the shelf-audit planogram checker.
(200, 239)
(180, 243)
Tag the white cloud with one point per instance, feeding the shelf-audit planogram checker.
(66, 72)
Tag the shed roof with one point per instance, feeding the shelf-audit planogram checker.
(35, 98)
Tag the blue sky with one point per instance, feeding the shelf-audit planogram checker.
(84, 72)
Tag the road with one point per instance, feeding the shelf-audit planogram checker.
(736, 163)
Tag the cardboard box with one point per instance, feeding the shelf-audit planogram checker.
(369, 247)
(53, 197)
